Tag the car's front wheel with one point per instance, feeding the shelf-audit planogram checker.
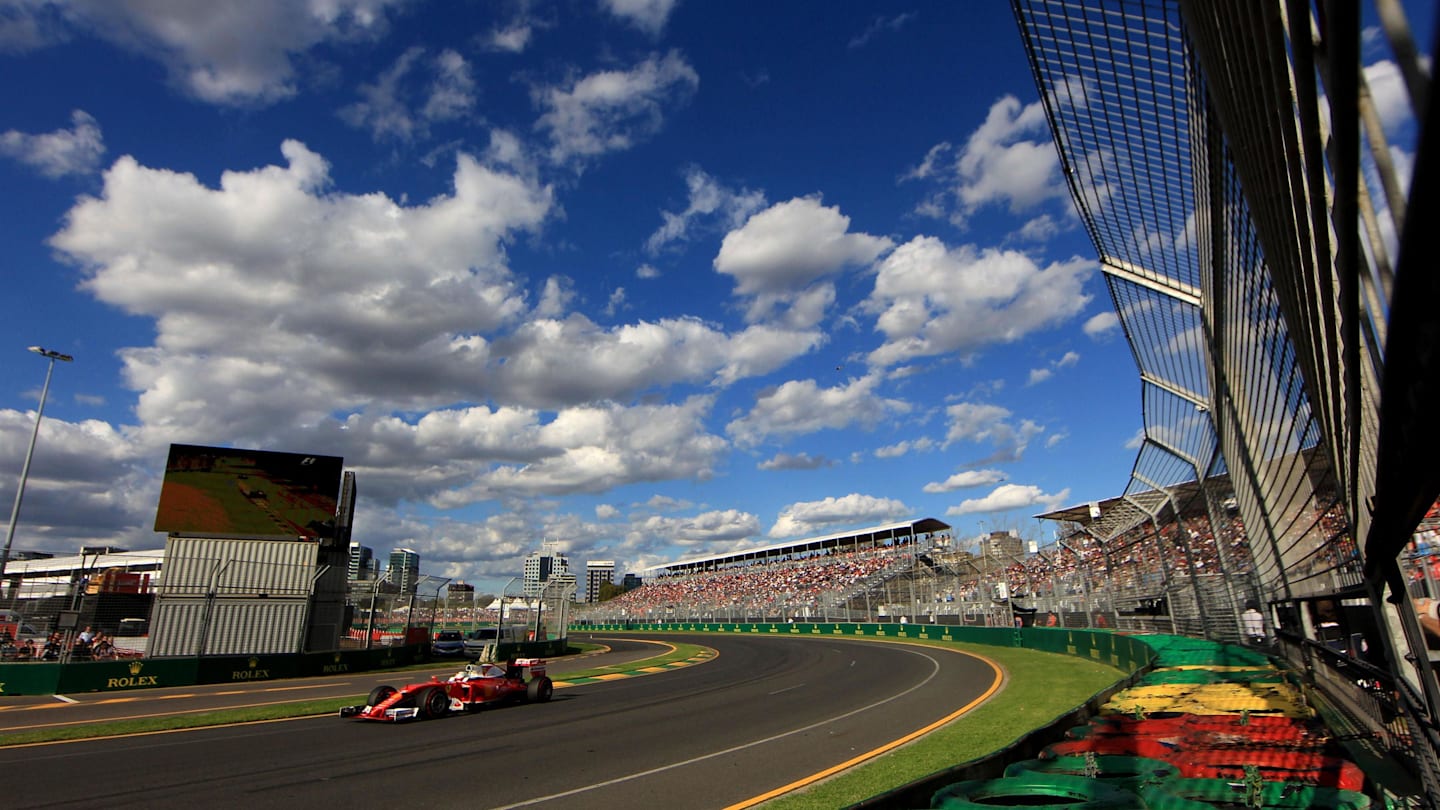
(433, 702)
(539, 690)
(379, 695)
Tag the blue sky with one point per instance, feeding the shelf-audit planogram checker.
(653, 279)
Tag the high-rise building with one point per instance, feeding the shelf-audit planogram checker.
(362, 561)
(597, 573)
(544, 565)
(404, 571)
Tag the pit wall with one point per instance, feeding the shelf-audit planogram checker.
(43, 678)
(1126, 653)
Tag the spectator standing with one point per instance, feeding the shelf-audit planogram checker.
(1254, 624)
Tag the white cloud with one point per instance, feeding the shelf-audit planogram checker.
(385, 108)
(881, 25)
(798, 461)
(799, 407)
(649, 16)
(708, 201)
(406, 290)
(921, 445)
(699, 532)
(780, 252)
(55, 154)
(232, 52)
(815, 517)
(1387, 91)
(965, 480)
(1039, 375)
(1101, 325)
(1010, 496)
(612, 110)
(605, 511)
(1008, 160)
(931, 300)
(975, 422)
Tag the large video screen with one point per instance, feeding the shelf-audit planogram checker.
(248, 493)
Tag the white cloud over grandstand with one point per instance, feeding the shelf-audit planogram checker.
(1007, 497)
(803, 406)
(818, 517)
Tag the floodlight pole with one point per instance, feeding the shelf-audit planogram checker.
(25, 470)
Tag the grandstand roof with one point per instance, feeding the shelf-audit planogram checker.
(840, 539)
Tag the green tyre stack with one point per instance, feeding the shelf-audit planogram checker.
(1033, 789)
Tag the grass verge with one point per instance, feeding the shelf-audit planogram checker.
(282, 711)
(1040, 687)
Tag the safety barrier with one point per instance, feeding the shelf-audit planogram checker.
(151, 673)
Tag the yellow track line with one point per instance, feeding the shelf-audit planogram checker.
(887, 747)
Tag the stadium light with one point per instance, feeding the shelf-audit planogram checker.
(52, 356)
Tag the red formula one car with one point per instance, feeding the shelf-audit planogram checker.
(523, 679)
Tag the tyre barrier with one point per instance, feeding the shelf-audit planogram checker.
(1272, 764)
(1111, 746)
(1208, 794)
(1210, 731)
(1126, 772)
(1207, 675)
(1054, 791)
(1223, 698)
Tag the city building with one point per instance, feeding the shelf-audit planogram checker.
(362, 562)
(404, 570)
(544, 565)
(598, 573)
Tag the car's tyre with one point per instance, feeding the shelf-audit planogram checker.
(379, 694)
(432, 702)
(539, 690)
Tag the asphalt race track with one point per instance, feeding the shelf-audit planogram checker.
(768, 711)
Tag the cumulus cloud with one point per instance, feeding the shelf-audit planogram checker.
(965, 480)
(799, 407)
(1101, 325)
(400, 106)
(612, 110)
(1039, 375)
(368, 309)
(230, 52)
(780, 252)
(709, 202)
(63, 152)
(1010, 496)
(816, 517)
(977, 422)
(920, 445)
(930, 300)
(1008, 160)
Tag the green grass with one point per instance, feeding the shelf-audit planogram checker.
(308, 708)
